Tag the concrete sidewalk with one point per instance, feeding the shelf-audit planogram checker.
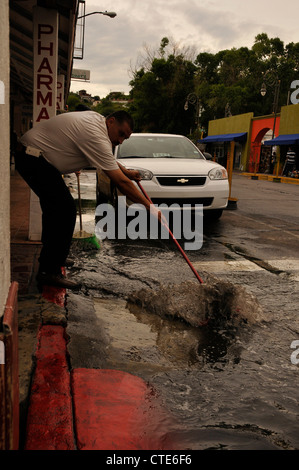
(63, 408)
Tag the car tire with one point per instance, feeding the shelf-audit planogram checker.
(100, 197)
(213, 214)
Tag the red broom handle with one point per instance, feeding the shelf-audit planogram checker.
(174, 239)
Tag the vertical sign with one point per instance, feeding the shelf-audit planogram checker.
(45, 38)
(60, 93)
(45, 52)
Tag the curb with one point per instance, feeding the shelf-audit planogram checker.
(272, 178)
(50, 421)
(89, 409)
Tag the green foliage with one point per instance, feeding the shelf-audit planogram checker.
(73, 101)
(233, 77)
(159, 94)
(106, 106)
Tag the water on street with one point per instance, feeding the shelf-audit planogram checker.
(231, 384)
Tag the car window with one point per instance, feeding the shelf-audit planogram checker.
(158, 147)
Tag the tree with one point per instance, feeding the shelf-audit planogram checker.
(73, 101)
(231, 77)
(235, 76)
(159, 91)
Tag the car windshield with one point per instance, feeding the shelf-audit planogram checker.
(158, 147)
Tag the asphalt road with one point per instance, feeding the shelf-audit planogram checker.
(233, 386)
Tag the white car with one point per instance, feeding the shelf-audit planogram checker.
(173, 170)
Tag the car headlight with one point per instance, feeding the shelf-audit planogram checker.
(217, 174)
(144, 174)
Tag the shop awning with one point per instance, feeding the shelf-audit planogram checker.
(240, 137)
(285, 139)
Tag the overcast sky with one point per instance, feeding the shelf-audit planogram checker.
(113, 46)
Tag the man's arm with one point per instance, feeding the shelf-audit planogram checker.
(131, 174)
(129, 189)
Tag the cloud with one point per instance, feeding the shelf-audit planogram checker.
(113, 45)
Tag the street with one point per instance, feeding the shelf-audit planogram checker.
(231, 385)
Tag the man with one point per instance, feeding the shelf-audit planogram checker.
(63, 144)
(290, 163)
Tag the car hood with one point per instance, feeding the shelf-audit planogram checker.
(167, 166)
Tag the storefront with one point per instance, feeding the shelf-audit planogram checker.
(255, 154)
(219, 146)
(262, 158)
(286, 142)
(221, 132)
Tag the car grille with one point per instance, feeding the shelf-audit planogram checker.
(205, 201)
(181, 180)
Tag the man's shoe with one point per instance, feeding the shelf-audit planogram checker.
(56, 280)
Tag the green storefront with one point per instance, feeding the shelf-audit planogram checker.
(249, 135)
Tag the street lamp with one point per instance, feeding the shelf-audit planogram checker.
(227, 111)
(193, 99)
(80, 28)
(271, 79)
(111, 14)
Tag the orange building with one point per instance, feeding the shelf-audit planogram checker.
(263, 129)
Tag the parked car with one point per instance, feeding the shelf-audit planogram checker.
(173, 170)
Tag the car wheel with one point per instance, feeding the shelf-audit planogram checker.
(213, 214)
(100, 197)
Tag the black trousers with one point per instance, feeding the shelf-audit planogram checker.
(58, 209)
(288, 167)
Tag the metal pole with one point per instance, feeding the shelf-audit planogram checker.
(275, 105)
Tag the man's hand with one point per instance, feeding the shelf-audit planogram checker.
(133, 175)
(129, 189)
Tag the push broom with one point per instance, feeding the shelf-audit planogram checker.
(86, 240)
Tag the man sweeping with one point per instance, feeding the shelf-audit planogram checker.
(64, 144)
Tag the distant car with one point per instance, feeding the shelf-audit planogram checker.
(173, 170)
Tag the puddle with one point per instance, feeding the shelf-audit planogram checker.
(139, 339)
(142, 341)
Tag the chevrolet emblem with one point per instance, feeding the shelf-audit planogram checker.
(182, 180)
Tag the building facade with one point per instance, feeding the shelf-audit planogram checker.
(257, 151)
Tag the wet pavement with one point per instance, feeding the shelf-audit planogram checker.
(230, 385)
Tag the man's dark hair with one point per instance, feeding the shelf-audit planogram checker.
(122, 116)
(82, 107)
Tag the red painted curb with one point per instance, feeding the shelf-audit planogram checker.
(115, 410)
(50, 417)
(55, 295)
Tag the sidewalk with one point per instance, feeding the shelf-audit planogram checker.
(63, 408)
